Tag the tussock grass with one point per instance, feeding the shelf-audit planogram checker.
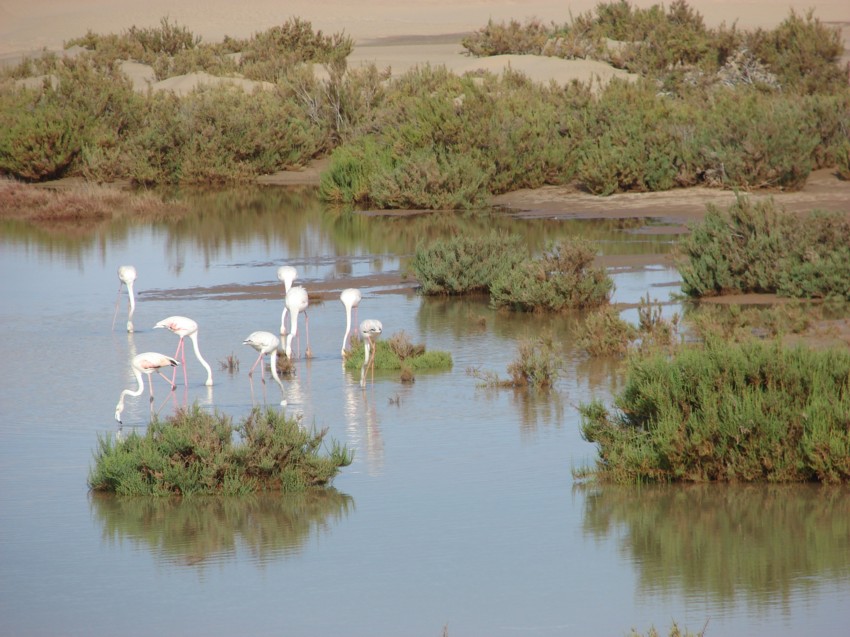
(194, 452)
(750, 411)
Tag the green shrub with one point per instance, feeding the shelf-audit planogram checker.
(758, 248)
(744, 412)
(563, 278)
(464, 264)
(804, 53)
(604, 333)
(537, 366)
(194, 452)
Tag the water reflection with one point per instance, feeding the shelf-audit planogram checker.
(294, 221)
(727, 542)
(198, 531)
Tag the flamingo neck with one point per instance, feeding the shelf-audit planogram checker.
(194, 337)
(129, 392)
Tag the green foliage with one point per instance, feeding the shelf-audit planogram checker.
(561, 279)
(465, 264)
(399, 353)
(502, 39)
(675, 48)
(604, 333)
(194, 452)
(754, 247)
(537, 366)
(804, 53)
(727, 412)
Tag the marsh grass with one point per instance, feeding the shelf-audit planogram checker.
(195, 452)
(229, 364)
(398, 352)
(82, 202)
(750, 411)
(537, 366)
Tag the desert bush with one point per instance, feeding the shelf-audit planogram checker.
(755, 247)
(463, 264)
(735, 251)
(804, 53)
(630, 144)
(562, 278)
(195, 452)
(604, 333)
(537, 366)
(745, 412)
(752, 140)
(513, 37)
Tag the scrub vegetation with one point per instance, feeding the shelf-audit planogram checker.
(194, 452)
(720, 107)
(562, 278)
(749, 411)
(757, 247)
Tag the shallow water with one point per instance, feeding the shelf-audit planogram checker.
(459, 511)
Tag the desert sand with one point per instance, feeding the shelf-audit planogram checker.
(400, 34)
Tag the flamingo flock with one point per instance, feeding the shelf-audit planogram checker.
(266, 344)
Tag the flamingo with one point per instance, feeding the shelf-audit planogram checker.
(265, 343)
(297, 301)
(370, 329)
(126, 276)
(146, 363)
(285, 274)
(183, 327)
(350, 298)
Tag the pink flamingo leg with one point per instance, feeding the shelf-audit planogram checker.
(262, 367)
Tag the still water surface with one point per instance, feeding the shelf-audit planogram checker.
(459, 512)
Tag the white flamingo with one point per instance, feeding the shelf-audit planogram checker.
(285, 274)
(297, 301)
(370, 329)
(146, 363)
(126, 276)
(183, 327)
(265, 343)
(350, 298)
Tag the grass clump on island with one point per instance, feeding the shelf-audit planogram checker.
(562, 278)
(194, 453)
(398, 352)
(750, 411)
(757, 247)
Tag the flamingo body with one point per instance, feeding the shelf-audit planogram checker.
(285, 274)
(265, 343)
(146, 363)
(350, 298)
(370, 329)
(297, 302)
(126, 276)
(183, 327)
